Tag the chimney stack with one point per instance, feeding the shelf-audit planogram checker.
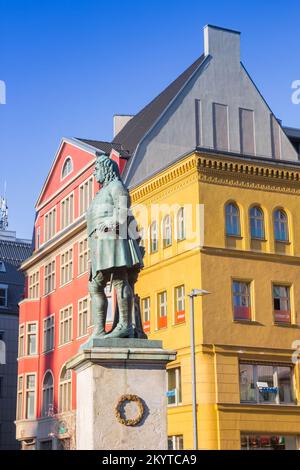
(120, 121)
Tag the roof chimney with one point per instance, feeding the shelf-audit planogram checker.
(222, 42)
(120, 121)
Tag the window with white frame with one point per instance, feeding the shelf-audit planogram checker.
(67, 211)
(31, 340)
(266, 383)
(83, 256)
(21, 340)
(65, 391)
(67, 167)
(179, 304)
(281, 304)
(162, 309)
(3, 295)
(47, 408)
(146, 309)
(167, 231)
(65, 324)
(85, 195)
(48, 344)
(174, 386)
(2, 267)
(66, 266)
(50, 224)
(30, 395)
(20, 398)
(83, 316)
(175, 442)
(34, 283)
(181, 224)
(38, 237)
(153, 237)
(49, 277)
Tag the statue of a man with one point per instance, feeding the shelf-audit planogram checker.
(115, 255)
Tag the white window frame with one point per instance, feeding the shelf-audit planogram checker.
(162, 304)
(81, 312)
(167, 231)
(34, 284)
(28, 333)
(153, 240)
(178, 385)
(51, 276)
(20, 399)
(85, 193)
(180, 224)
(5, 288)
(68, 158)
(50, 228)
(21, 326)
(146, 309)
(69, 320)
(63, 385)
(46, 330)
(71, 213)
(66, 266)
(83, 256)
(175, 441)
(27, 390)
(44, 389)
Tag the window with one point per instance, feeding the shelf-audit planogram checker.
(3, 295)
(34, 285)
(241, 300)
(47, 408)
(65, 325)
(146, 314)
(83, 256)
(20, 398)
(83, 316)
(31, 339)
(142, 242)
(65, 392)
(38, 237)
(179, 304)
(174, 386)
(21, 340)
(66, 266)
(263, 383)
(281, 231)
(153, 237)
(162, 310)
(85, 195)
(175, 442)
(257, 225)
(2, 267)
(67, 211)
(268, 442)
(67, 168)
(48, 334)
(49, 277)
(50, 224)
(167, 231)
(30, 397)
(233, 228)
(281, 304)
(180, 224)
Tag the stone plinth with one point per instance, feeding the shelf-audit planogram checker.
(106, 372)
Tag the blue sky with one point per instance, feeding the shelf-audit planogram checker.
(70, 65)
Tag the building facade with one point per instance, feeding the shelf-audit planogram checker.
(12, 252)
(214, 181)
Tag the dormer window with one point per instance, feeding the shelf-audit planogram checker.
(2, 267)
(67, 167)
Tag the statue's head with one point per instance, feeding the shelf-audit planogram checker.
(106, 169)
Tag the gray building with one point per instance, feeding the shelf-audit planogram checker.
(12, 252)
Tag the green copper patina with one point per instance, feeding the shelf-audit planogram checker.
(115, 254)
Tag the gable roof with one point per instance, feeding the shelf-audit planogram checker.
(106, 147)
(133, 132)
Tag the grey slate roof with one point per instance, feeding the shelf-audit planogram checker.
(139, 125)
(14, 252)
(105, 146)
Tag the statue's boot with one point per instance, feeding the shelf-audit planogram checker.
(122, 329)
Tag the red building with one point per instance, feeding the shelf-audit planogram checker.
(55, 313)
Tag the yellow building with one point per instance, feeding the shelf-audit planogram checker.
(249, 261)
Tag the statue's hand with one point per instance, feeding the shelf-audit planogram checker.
(106, 227)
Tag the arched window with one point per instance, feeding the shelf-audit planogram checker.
(153, 237)
(181, 224)
(65, 390)
(67, 168)
(233, 227)
(257, 224)
(48, 394)
(167, 231)
(281, 231)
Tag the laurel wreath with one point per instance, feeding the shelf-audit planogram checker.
(120, 415)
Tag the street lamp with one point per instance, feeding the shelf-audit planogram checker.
(194, 293)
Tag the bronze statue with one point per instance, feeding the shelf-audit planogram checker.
(115, 253)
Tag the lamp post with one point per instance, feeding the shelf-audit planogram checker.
(194, 293)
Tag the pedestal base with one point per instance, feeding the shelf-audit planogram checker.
(109, 381)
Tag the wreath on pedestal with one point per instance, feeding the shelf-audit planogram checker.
(120, 413)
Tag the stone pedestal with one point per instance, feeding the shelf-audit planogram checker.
(119, 380)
